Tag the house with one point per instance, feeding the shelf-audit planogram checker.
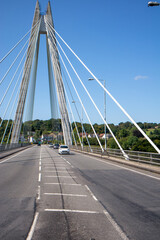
(91, 135)
(84, 135)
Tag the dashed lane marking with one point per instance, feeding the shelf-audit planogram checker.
(39, 177)
(91, 193)
(115, 225)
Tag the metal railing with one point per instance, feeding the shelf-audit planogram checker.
(5, 147)
(144, 157)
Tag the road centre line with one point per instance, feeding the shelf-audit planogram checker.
(39, 178)
(65, 194)
(67, 184)
(40, 168)
(30, 234)
(91, 193)
(69, 210)
(116, 226)
(39, 193)
(131, 170)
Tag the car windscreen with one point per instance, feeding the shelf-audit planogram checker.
(64, 147)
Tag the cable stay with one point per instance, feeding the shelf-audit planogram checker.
(81, 101)
(5, 75)
(82, 104)
(9, 117)
(117, 103)
(10, 98)
(124, 154)
(14, 75)
(18, 43)
(73, 118)
(73, 101)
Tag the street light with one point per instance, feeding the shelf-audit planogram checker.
(102, 80)
(153, 4)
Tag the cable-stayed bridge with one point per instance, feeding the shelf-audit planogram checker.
(59, 91)
(47, 196)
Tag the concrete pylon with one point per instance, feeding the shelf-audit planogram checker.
(41, 25)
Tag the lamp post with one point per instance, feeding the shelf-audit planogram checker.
(103, 80)
(153, 4)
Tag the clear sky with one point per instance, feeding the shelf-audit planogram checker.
(118, 40)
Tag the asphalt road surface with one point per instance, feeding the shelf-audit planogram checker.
(76, 197)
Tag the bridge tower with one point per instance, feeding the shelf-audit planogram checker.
(42, 24)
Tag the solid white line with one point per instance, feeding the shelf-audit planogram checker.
(14, 155)
(69, 184)
(65, 194)
(91, 193)
(29, 237)
(39, 178)
(131, 170)
(115, 225)
(69, 210)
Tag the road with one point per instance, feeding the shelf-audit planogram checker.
(76, 197)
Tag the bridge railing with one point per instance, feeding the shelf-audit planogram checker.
(5, 147)
(144, 157)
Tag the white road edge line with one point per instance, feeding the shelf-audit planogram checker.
(30, 234)
(131, 170)
(115, 225)
(69, 210)
(91, 193)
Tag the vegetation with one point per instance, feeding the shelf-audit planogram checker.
(126, 133)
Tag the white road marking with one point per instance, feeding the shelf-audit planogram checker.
(91, 193)
(40, 168)
(115, 225)
(69, 184)
(65, 194)
(29, 237)
(60, 176)
(39, 178)
(39, 193)
(69, 210)
(131, 170)
(57, 172)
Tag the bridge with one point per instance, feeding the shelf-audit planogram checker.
(47, 196)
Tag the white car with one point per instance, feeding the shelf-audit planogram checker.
(64, 149)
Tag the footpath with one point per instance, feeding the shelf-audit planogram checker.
(7, 153)
(134, 164)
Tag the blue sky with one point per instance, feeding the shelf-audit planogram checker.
(118, 41)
